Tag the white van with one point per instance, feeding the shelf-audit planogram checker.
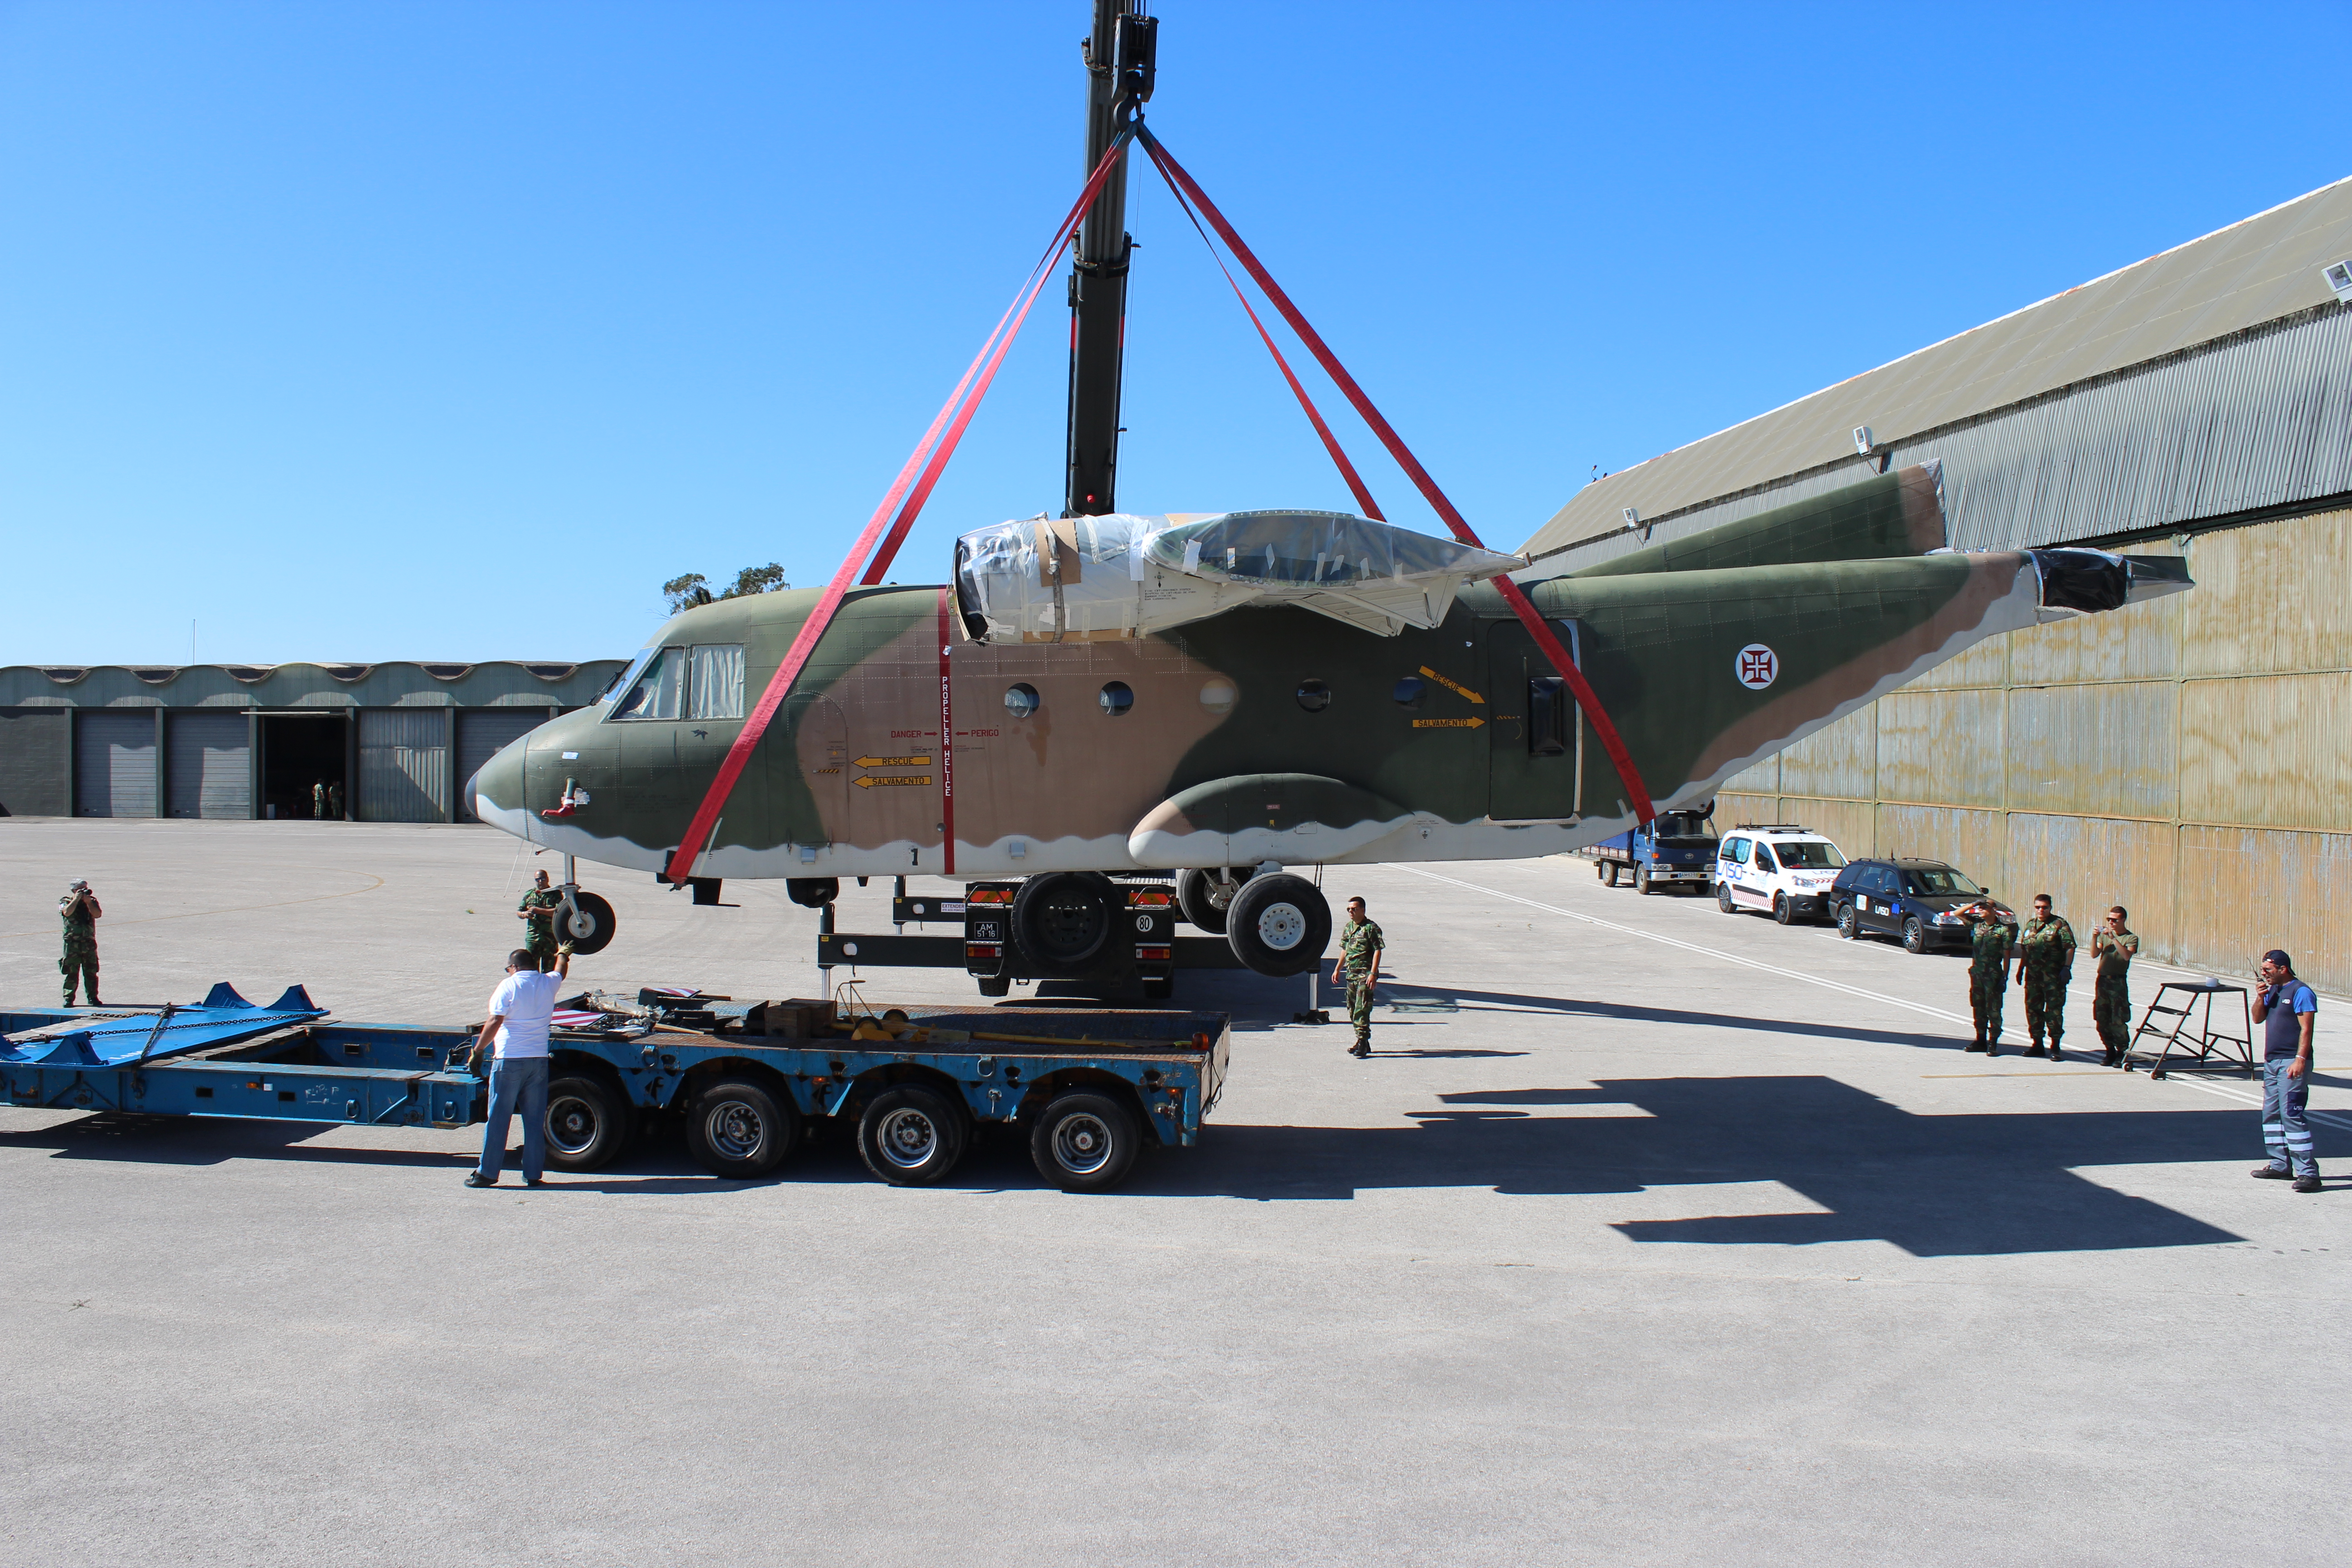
(1781, 868)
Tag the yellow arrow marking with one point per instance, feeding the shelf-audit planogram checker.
(1452, 686)
(870, 781)
(1447, 723)
(894, 762)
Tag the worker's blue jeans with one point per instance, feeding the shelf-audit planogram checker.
(2286, 1136)
(516, 1087)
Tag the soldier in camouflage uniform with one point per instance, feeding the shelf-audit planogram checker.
(537, 912)
(79, 911)
(1989, 943)
(1360, 946)
(2113, 947)
(318, 801)
(2045, 962)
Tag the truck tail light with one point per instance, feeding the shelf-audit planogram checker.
(984, 950)
(1154, 955)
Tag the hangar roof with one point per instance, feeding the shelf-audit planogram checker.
(2259, 271)
(402, 683)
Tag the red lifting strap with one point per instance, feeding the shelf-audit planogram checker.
(1184, 186)
(953, 417)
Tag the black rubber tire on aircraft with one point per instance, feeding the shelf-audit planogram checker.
(1193, 897)
(1279, 924)
(996, 986)
(1085, 1142)
(811, 893)
(591, 930)
(1063, 918)
(1915, 934)
(911, 1135)
(741, 1129)
(1783, 911)
(1849, 924)
(588, 1124)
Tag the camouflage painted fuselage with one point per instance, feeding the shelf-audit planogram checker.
(898, 751)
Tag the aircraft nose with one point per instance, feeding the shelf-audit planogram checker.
(496, 788)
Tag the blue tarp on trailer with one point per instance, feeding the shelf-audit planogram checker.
(115, 1038)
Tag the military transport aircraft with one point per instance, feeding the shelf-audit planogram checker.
(1224, 696)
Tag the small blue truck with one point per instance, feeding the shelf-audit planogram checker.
(1675, 852)
(1091, 1088)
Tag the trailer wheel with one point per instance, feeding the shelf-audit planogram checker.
(590, 930)
(1608, 873)
(587, 1123)
(910, 1136)
(1085, 1142)
(995, 984)
(1063, 918)
(741, 1129)
(1279, 924)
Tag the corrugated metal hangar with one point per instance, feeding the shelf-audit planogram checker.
(396, 740)
(2190, 758)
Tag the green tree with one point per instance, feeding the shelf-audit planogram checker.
(694, 588)
(752, 580)
(682, 593)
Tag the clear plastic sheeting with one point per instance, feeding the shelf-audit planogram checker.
(1086, 579)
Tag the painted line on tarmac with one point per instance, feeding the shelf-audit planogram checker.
(1920, 1008)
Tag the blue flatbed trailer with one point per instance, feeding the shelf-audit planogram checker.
(1091, 1087)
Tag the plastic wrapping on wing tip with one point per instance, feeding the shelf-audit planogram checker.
(1122, 576)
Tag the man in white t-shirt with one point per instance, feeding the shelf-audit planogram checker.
(516, 1030)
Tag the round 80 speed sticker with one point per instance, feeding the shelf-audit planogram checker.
(1756, 666)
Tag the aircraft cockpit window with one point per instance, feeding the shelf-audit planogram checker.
(660, 691)
(1408, 691)
(716, 691)
(1021, 699)
(627, 680)
(1314, 696)
(1116, 698)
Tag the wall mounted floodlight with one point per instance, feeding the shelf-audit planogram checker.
(1633, 517)
(2339, 277)
(1862, 440)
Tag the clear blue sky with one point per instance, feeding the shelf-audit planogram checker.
(450, 331)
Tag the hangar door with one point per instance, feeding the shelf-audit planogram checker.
(208, 764)
(482, 734)
(33, 771)
(404, 764)
(115, 763)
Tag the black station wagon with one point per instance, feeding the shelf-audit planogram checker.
(1916, 901)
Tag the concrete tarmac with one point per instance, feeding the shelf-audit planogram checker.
(1649, 1236)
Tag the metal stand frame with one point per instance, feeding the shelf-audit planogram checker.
(2188, 1029)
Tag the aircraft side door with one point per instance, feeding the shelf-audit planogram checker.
(1536, 745)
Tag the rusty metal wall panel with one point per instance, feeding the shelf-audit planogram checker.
(1972, 840)
(2274, 750)
(1940, 747)
(1764, 778)
(2086, 863)
(2140, 642)
(2245, 890)
(1838, 759)
(2109, 749)
(1850, 824)
(1732, 808)
(2270, 598)
(1986, 664)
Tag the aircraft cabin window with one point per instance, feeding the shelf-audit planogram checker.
(1116, 698)
(1021, 699)
(660, 691)
(1408, 691)
(1314, 696)
(1218, 696)
(716, 688)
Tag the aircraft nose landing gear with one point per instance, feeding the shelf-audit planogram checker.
(584, 919)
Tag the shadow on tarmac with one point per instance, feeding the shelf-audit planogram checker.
(1933, 1186)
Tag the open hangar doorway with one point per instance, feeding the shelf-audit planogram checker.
(299, 751)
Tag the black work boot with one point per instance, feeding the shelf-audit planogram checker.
(1992, 1043)
(2033, 1048)
(1977, 1044)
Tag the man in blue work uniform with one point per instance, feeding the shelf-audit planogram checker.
(520, 1011)
(2287, 1011)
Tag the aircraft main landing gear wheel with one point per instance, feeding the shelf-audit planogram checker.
(589, 929)
(1279, 924)
(1204, 899)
